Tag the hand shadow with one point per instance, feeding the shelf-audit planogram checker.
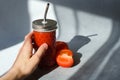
(75, 44)
(39, 72)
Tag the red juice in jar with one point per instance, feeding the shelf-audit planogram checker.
(45, 33)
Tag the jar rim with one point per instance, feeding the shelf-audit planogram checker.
(40, 26)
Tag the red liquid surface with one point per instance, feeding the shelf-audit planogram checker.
(48, 58)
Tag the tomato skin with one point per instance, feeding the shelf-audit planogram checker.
(65, 58)
(61, 45)
(65, 51)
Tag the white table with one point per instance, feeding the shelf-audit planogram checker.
(94, 39)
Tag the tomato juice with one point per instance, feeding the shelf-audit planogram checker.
(46, 33)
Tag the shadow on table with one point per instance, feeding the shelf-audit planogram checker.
(108, 9)
(104, 62)
(76, 43)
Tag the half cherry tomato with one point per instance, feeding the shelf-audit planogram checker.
(61, 45)
(65, 58)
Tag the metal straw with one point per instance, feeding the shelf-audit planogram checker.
(45, 15)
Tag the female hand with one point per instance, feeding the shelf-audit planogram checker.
(26, 61)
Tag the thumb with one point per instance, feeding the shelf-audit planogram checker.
(41, 50)
(37, 56)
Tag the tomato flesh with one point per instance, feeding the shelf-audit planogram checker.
(64, 58)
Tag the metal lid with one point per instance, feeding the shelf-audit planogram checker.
(40, 25)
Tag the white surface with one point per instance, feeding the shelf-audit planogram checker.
(7, 57)
(72, 22)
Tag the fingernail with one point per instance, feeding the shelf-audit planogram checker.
(45, 45)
